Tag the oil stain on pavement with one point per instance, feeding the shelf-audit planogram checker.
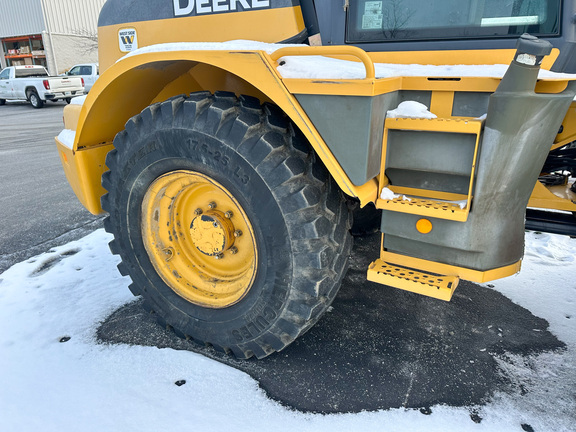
(378, 347)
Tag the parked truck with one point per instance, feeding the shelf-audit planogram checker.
(89, 73)
(34, 84)
(228, 169)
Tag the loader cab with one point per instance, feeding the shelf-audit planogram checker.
(415, 25)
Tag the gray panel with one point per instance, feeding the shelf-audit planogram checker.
(470, 104)
(352, 127)
(21, 18)
(430, 160)
(519, 130)
(424, 97)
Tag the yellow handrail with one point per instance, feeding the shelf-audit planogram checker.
(360, 54)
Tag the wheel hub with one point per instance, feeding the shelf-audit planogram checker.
(212, 233)
(205, 254)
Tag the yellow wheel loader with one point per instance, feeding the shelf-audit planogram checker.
(228, 141)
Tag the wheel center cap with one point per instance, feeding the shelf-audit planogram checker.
(212, 233)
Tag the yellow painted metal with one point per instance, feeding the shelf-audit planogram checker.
(199, 239)
(568, 131)
(84, 169)
(261, 25)
(435, 206)
(212, 232)
(426, 193)
(134, 83)
(456, 57)
(130, 85)
(341, 51)
(72, 116)
(555, 197)
(428, 284)
(449, 270)
(429, 208)
(441, 103)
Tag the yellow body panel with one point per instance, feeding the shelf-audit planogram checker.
(554, 197)
(84, 169)
(568, 131)
(457, 57)
(449, 270)
(267, 25)
(134, 83)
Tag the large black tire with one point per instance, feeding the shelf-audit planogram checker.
(34, 99)
(299, 217)
(2, 101)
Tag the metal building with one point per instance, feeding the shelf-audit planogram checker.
(53, 33)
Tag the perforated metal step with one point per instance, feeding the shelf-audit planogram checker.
(430, 208)
(428, 284)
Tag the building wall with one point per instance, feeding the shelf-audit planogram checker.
(20, 18)
(71, 50)
(2, 59)
(72, 17)
(72, 31)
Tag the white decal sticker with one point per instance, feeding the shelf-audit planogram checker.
(128, 39)
(372, 18)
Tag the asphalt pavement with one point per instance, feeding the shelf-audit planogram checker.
(378, 347)
(38, 209)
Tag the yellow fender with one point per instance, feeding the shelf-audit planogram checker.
(134, 83)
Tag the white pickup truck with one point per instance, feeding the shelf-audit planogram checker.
(88, 72)
(33, 83)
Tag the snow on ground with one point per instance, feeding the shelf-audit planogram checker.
(50, 384)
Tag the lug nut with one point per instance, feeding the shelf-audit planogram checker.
(228, 214)
(233, 250)
(237, 233)
(198, 212)
(219, 256)
(212, 205)
(169, 252)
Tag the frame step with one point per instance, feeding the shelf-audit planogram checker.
(428, 284)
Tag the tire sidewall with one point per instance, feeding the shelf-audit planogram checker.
(35, 100)
(168, 150)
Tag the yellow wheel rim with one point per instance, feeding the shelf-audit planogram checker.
(199, 239)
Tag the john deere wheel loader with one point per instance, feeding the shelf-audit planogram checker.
(227, 168)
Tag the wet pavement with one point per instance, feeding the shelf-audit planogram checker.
(378, 347)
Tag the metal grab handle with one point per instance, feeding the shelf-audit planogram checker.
(360, 54)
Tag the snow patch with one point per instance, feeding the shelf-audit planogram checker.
(320, 67)
(411, 109)
(66, 137)
(78, 100)
(67, 292)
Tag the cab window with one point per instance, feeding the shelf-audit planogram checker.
(397, 20)
(5, 74)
